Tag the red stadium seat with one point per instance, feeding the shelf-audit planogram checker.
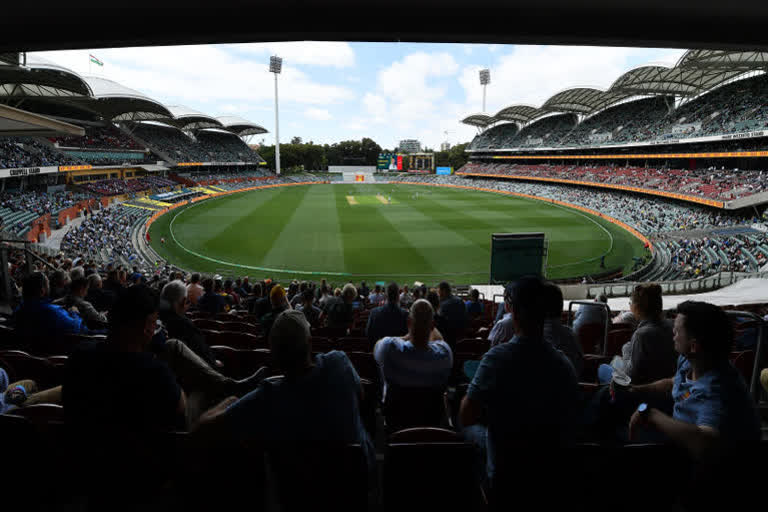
(475, 346)
(616, 339)
(24, 366)
(431, 476)
(414, 407)
(208, 324)
(350, 344)
(241, 340)
(242, 327)
(239, 364)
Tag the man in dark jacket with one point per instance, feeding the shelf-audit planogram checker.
(211, 302)
(172, 307)
(389, 319)
(452, 313)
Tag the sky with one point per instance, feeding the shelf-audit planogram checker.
(334, 91)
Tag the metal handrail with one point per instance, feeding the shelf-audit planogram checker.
(686, 286)
(754, 382)
(606, 322)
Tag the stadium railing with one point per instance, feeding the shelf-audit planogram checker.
(714, 282)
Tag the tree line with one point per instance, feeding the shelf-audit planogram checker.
(300, 155)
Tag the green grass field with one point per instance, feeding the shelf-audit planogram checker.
(379, 232)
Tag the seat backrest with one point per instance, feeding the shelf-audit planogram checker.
(616, 339)
(317, 475)
(414, 407)
(473, 346)
(240, 363)
(41, 413)
(208, 324)
(431, 476)
(350, 344)
(26, 366)
(590, 336)
(424, 435)
(241, 340)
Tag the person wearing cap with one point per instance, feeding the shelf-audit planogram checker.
(318, 399)
(712, 409)
(523, 419)
(504, 329)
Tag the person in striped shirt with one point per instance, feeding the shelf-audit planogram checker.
(420, 359)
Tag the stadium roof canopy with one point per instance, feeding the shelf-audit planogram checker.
(40, 78)
(186, 118)
(19, 122)
(241, 126)
(221, 131)
(677, 81)
(479, 120)
(119, 103)
(582, 100)
(730, 59)
(519, 113)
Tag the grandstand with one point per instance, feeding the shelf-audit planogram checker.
(157, 395)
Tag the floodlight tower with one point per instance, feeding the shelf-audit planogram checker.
(485, 79)
(275, 66)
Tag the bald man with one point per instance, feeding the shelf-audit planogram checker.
(419, 359)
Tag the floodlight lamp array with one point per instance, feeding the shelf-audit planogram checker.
(275, 64)
(485, 76)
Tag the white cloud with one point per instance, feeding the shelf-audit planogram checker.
(376, 106)
(201, 76)
(319, 114)
(531, 74)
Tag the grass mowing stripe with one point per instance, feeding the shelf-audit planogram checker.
(313, 229)
(362, 225)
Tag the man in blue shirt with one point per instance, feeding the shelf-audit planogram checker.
(37, 318)
(417, 360)
(712, 406)
(389, 319)
(317, 400)
(528, 391)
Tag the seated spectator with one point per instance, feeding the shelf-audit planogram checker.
(406, 298)
(474, 305)
(318, 399)
(649, 356)
(521, 420)
(78, 290)
(194, 290)
(259, 302)
(311, 312)
(560, 336)
(626, 317)
(712, 405)
(377, 297)
(387, 320)
(59, 284)
(339, 311)
(118, 382)
(211, 302)
(173, 307)
(38, 318)
(229, 291)
(363, 291)
(279, 303)
(504, 329)
(590, 315)
(298, 297)
(453, 314)
(97, 296)
(417, 360)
